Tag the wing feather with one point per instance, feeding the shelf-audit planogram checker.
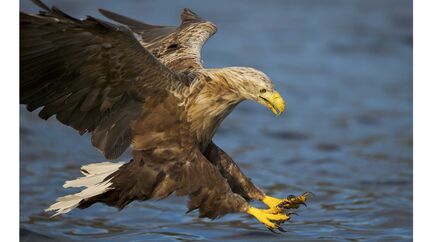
(177, 47)
(92, 75)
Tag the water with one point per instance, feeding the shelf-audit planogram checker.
(345, 70)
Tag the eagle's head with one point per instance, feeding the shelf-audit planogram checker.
(251, 84)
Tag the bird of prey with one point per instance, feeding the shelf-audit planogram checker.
(143, 86)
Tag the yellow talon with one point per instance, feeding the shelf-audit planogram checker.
(265, 216)
(276, 215)
(277, 204)
(271, 202)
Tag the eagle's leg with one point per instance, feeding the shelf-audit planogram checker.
(242, 185)
(238, 182)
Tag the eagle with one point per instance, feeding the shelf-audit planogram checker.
(143, 86)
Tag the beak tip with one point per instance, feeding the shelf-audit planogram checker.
(274, 102)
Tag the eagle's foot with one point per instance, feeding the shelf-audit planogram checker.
(291, 202)
(271, 218)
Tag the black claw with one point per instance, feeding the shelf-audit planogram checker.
(281, 221)
(272, 230)
(293, 213)
(281, 229)
(304, 204)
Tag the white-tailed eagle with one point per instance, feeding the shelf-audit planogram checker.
(144, 86)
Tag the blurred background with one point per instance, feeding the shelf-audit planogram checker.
(345, 70)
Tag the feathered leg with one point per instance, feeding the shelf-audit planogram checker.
(238, 182)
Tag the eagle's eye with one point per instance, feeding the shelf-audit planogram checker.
(263, 90)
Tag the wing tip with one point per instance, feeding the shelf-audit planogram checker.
(52, 11)
(124, 19)
(107, 13)
(188, 15)
(41, 5)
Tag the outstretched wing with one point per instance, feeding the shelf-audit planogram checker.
(93, 75)
(177, 47)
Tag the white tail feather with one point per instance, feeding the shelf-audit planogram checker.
(93, 180)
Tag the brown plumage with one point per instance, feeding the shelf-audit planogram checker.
(143, 86)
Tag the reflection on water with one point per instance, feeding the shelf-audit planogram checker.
(345, 70)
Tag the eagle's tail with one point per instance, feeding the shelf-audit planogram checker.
(95, 181)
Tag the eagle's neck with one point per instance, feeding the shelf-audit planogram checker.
(213, 98)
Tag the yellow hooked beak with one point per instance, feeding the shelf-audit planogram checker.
(273, 101)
